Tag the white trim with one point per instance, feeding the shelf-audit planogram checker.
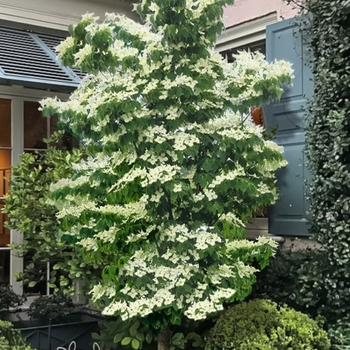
(31, 94)
(245, 33)
(16, 263)
(59, 14)
(16, 128)
(37, 18)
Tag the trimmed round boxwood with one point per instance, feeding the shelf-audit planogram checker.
(261, 324)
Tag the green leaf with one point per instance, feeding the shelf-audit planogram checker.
(71, 29)
(175, 320)
(135, 344)
(126, 341)
(140, 336)
(57, 266)
(133, 330)
(95, 336)
(118, 338)
(149, 338)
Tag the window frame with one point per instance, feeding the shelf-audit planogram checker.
(245, 33)
(18, 95)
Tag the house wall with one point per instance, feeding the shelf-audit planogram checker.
(58, 14)
(246, 22)
(247, 10)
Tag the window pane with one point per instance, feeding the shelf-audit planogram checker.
(53, 124)
(4, 265)
(41, 276)
(5, 122)
(68, 141)
(4, 232)
(252, 47)
(35, 126)
(5, 171)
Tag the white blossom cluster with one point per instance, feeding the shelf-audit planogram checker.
(164, 283)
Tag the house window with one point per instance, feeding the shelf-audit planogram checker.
(250, 35)
(36, 127)
(22, 129)
(5, 168)
(257, 46)
(29, 72)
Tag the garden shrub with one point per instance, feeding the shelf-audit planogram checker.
(296, 278)
(328, 160)
(339, 333)
(327, 150)
(261, 324)
(9, 299)
(51, 307)
(132, 334)
(10, 338)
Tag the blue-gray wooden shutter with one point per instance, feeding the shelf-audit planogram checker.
(286, 40)
(29, 59)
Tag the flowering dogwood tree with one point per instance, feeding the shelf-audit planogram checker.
(174, 169)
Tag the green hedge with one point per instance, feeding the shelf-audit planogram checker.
(297, 279)
(328, 149)
(261, 324)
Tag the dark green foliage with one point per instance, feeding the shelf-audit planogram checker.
(260, 324)
(10, 338)
(9, 299)
(296, 278)
(118, 334)
(299, 279)
(339, 333)
(51, 307)
(328, 147)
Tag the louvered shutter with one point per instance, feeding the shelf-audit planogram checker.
(28, 59)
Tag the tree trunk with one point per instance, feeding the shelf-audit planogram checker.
(164, 339)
